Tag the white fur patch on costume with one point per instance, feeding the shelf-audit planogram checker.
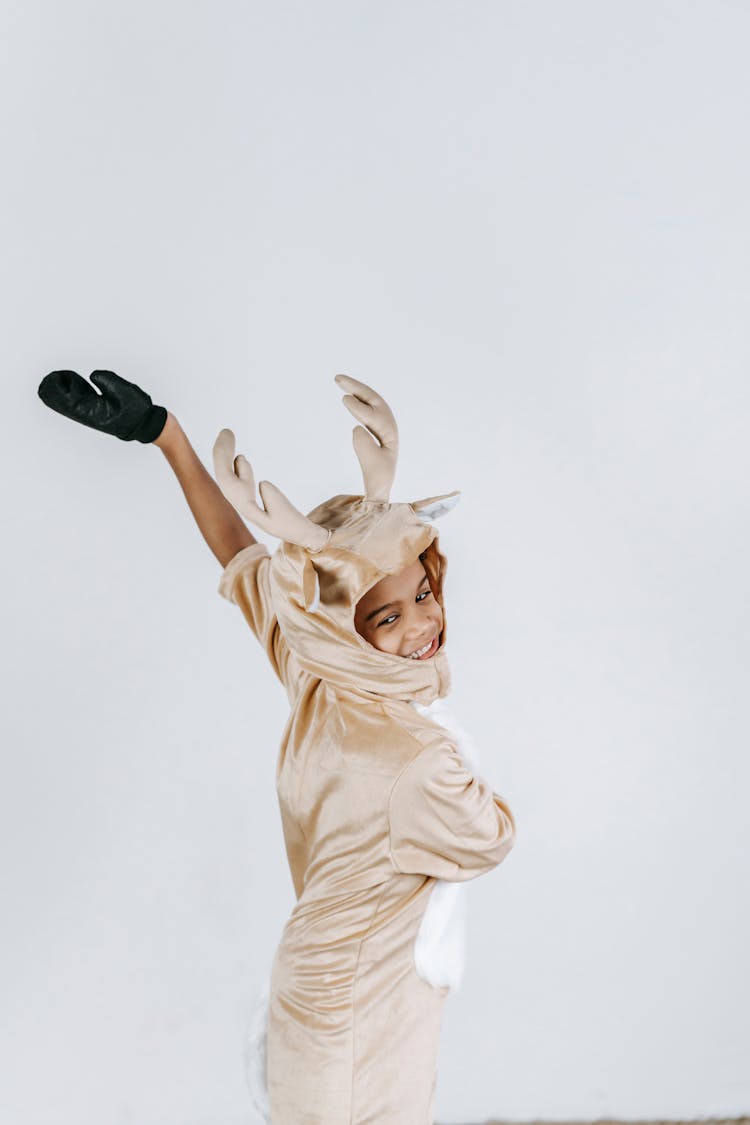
(440, 945)
(440, 713)
(256, 1055)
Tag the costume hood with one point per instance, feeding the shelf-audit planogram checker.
(330, 558)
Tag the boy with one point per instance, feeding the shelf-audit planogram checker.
(382, 818)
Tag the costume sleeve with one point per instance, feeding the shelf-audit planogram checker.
(245, 582)
(444, 821)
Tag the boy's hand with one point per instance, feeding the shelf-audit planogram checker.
(122, 408)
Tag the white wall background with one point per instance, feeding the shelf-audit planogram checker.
(527, 225)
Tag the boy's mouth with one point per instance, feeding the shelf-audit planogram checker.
(426, 651)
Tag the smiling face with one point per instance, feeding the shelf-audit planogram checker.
(399, 615)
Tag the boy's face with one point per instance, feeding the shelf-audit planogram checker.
(399, 615)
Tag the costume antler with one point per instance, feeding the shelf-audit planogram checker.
(378, 461)
(278, 515)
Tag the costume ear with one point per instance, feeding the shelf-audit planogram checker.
(310, 587)
(435, 506)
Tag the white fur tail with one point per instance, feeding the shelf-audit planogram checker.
(256, 1056)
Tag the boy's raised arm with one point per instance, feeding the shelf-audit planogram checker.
(223, 529)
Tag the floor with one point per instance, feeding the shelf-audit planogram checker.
(614, 1121)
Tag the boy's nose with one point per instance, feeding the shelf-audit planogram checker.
(417, 628)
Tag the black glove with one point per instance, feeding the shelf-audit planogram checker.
(122, 408)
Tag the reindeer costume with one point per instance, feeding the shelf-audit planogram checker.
(382, 811)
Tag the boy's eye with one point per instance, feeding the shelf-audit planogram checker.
(392, 617)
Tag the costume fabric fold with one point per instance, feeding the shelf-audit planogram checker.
(380, 806)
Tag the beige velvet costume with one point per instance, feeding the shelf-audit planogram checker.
(378, 808)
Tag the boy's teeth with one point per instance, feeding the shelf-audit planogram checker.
(421, 651)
